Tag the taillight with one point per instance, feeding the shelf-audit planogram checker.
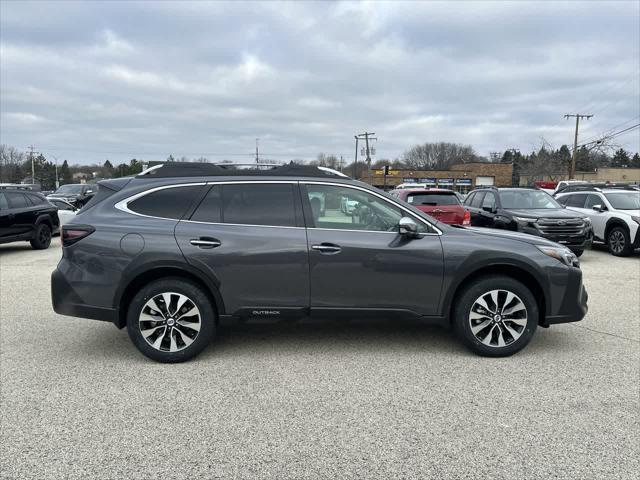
(467, 218)
(74, 233)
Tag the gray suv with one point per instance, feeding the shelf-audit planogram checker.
(182, 248)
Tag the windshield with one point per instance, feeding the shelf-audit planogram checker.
(72, 188)
(624, 200)
(527, 199)
(432, 199)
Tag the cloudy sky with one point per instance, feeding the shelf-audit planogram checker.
(87, 81)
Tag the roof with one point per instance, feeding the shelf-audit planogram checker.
(192, 169)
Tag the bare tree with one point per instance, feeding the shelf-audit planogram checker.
(438, 156)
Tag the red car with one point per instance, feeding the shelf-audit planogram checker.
(440, 203)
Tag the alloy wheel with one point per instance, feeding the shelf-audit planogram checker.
(170, 322)
(498, 318)
(44, 236)
(617, 241)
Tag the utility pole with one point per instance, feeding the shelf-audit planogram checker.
(355, 160)
(366, 136)
(572, 169)
(33, 168)
(257, 140)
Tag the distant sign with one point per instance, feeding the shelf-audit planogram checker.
(445, 181)
(428, 180)
(409, 180)
(391, 172)
(463, 181)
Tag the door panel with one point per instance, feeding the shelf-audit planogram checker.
(357, 259)
(249, 237)
(375, 270)
(255, 266)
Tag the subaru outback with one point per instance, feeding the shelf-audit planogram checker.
(180, 249)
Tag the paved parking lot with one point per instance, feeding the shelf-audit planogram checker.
(367, 400)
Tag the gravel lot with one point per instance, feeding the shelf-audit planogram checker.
(361, 400)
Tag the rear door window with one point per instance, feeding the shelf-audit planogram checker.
(171, 202)
(577, 200)
(17, 200)
(210, 209)
(4, 205)
(259, 204)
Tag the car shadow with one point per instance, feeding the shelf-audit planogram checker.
(327, 337)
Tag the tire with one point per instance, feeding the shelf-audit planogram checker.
(578, 251)
(171, 338)
(514, 333)
(619, 242)
(41, 237)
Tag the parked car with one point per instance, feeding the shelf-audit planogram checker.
(27, 216)
(441, 204)
(66, 211)
(614, 213)
(175, 252)
(531, 211)
(562, 184)
(77, 194)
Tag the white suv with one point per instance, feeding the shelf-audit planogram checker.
(614, 213)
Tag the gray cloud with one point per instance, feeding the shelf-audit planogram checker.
(95, 80)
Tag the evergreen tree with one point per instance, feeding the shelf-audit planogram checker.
(635, 161)
(64, 174)
(171, 158)
(621, 159)
(107, 169)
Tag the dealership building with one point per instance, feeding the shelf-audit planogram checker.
(463, 177)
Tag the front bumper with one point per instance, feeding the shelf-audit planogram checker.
(67, 302)
(574, 303)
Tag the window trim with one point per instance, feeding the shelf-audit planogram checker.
(438, 232)
(122, 205)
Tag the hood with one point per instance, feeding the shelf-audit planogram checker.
(545, 213)
(522, 237)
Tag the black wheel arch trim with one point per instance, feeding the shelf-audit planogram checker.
(612, 223)
(507, 266)
(180, 267)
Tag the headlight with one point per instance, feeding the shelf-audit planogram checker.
(587, 220)
(524, 221)
(562, 254)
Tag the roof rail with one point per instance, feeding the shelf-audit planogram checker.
(595, 187)
(193, 169)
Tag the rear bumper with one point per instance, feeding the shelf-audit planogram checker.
(67, 302)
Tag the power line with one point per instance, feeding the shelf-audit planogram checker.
(611, 136)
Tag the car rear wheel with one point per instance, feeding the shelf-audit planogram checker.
(42, 237)
(496, 316)
(619, 242)
(171, 320)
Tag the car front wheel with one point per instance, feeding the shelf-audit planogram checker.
(171, 320)
(496, 316)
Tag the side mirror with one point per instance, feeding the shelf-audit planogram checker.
(490, 209)
(89, 191)
(598, 208)
(407, 227)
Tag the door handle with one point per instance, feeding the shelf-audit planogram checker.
(328, 248)
(204, 242)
